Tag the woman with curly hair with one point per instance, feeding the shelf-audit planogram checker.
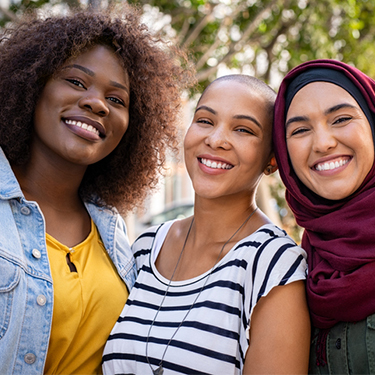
(89, 105)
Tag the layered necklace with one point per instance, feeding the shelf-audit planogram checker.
(159, 370)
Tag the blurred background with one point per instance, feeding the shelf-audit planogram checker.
(263, 38)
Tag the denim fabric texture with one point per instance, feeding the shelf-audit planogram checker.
(26, 288)
(350, 348)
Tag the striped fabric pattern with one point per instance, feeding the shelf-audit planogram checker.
(213, 339)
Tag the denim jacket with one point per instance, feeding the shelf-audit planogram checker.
(26, 288)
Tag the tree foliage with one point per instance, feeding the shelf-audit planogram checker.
(268, 37)
(265, 38)
(262, 37)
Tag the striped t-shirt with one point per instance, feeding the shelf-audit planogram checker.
(213, 338)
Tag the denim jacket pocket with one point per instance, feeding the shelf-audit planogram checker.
(10, 277)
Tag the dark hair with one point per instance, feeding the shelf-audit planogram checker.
(33, 50)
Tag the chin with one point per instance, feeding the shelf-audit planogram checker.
(334, 194)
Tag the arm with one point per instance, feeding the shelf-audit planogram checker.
(280, 333)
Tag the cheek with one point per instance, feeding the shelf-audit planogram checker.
(189, 156)
(123, 129)
(298, 155)
(189, 141)
(368, 155)
(42, 117)
(120, 127)
(295, 151)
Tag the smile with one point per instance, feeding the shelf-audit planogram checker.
(83, 125)
(331, 165)
(215, 164)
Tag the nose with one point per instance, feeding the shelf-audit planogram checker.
(218, 138)
(94, 102)
(324, 140)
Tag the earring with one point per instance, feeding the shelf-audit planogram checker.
(273, 162)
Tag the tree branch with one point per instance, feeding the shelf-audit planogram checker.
(235, 47)
(198, 28)
(9, 14)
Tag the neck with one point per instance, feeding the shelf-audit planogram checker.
(49, 183)
(222, 217)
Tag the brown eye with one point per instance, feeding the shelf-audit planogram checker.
(342, 120)
(245, 130)
(75, 82)
(299, 131)
(116, 100)
(204, 121)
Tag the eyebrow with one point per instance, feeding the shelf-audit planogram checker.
(250, 118)
(326, 112)
(92, 74)
(239, 117)
(209, 109)
(339, 106)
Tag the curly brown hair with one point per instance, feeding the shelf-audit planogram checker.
(34, 50)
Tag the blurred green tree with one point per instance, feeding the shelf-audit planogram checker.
(264, 38)
(267, 37)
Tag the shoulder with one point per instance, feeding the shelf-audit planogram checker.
(270, 238)
(268, 231)
(147, 238)
(276, 256)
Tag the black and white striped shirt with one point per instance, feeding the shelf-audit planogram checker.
(213, 339)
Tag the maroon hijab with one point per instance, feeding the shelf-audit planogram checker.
(339, 236)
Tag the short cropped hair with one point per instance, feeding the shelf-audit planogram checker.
(255, 84)
(33, 50)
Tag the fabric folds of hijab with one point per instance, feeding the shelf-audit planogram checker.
(339, 236)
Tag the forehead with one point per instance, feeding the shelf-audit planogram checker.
(237, 95)
(101, 59)
(318, 96)
(217, 88)
(231, 98)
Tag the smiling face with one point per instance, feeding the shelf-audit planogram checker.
(228, 144)
(329, 140)
(83, 111)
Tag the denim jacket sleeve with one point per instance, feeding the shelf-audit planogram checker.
(26, 291)
(26, 288)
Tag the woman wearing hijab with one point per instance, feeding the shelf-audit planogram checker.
(323, 135)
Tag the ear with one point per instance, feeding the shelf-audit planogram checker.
(271, 167)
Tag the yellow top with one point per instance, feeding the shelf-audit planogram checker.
(87, 304)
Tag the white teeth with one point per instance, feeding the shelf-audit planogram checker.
(83, 126)
(215, 165)
(330, 166)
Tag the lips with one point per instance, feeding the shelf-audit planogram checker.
(86, 124)
(215, 164)
(330, 165)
